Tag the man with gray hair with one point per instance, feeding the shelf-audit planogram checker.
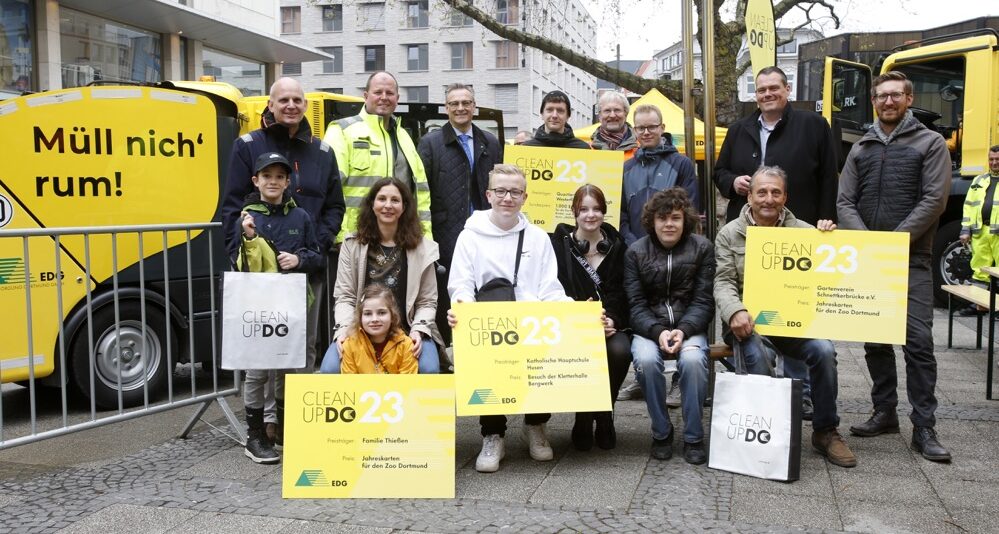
(457, 158)
(614, 132)
(766, 198)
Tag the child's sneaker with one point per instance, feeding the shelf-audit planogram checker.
(537, 442)
(493, 450)
(259, 449)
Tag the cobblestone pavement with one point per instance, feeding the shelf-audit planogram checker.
(204, 484)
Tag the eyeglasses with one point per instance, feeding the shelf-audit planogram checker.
(653, 128)
(514, 193)
(460, 104)
(895, 97)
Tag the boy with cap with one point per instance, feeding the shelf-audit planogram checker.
(556, 132)
(277, 236)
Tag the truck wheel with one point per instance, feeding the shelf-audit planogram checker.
(951, 260)
(136, 361)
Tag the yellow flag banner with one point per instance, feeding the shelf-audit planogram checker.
(554, 175)
(845, 284)
(530, 357)
(761, 34)
(368, 436)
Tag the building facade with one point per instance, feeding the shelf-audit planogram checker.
(668, 63)
(54, 44)
(428, 46)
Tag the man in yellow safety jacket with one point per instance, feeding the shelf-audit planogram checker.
(373, 145)
(980, 223)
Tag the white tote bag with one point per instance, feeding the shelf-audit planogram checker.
(756, 426)
(264, 316)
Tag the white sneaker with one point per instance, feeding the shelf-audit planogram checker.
(493, 450)
(537, 442)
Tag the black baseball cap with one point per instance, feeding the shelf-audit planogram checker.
(270, 158)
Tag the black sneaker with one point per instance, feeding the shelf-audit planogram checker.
(694, 453)
(259, 449)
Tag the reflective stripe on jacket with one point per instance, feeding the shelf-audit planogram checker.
(971, 220)
(364, 152)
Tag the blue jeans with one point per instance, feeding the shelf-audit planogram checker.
(692, 366)
(429, 360)
(818, 355)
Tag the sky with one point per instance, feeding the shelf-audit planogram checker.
(642, 27)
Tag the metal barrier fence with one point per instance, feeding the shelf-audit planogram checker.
(119, 307)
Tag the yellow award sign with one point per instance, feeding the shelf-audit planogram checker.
(368, 436)
(554, 175)
(530, 357)
(846, 284)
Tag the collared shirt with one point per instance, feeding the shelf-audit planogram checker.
(780, 218)
(765, 132)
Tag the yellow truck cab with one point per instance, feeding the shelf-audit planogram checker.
(125, 155)
(956, 93)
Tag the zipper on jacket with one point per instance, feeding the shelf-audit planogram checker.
(881, 181)
(669, 284)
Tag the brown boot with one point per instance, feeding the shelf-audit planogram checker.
(831, 445)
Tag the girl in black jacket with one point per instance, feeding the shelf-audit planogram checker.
(590, 259)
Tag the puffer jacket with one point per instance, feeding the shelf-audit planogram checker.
(670, 288)
(450, 179)
(577, 282)
(897, 183)
(397, 355)
(651, 171)
(566, 139)
(281, 228)
(315, 179)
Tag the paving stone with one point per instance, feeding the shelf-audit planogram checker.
(786, 510)
(863, 516)
(128, 519)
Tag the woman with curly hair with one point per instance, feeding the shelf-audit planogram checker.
(389, 248)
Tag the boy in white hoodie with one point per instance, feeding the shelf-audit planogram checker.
(486, 249)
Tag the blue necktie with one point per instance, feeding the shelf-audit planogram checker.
(463, 140)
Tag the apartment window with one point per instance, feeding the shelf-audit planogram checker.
(417, 94)
(506, 97)
(246, 75)
(291, 19)
(507, 11)
(417, 57)
(374, 58)
(417, 14)
(371, 17)
(750, 84)
(788, 48)
(461, 56)
(335, 65)
(17, 45)
(507, 56)
(333, 18)
(337, 90)
(291, 69)
(460, 19)
(93, 48)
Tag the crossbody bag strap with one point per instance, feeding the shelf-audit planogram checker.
(520, 248)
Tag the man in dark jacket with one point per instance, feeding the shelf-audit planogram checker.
(556, 132)
(668, 276)
(315, 181)
(896, 179)
(800, 142)
(457, 158)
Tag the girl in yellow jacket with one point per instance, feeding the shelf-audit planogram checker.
(377, 344)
